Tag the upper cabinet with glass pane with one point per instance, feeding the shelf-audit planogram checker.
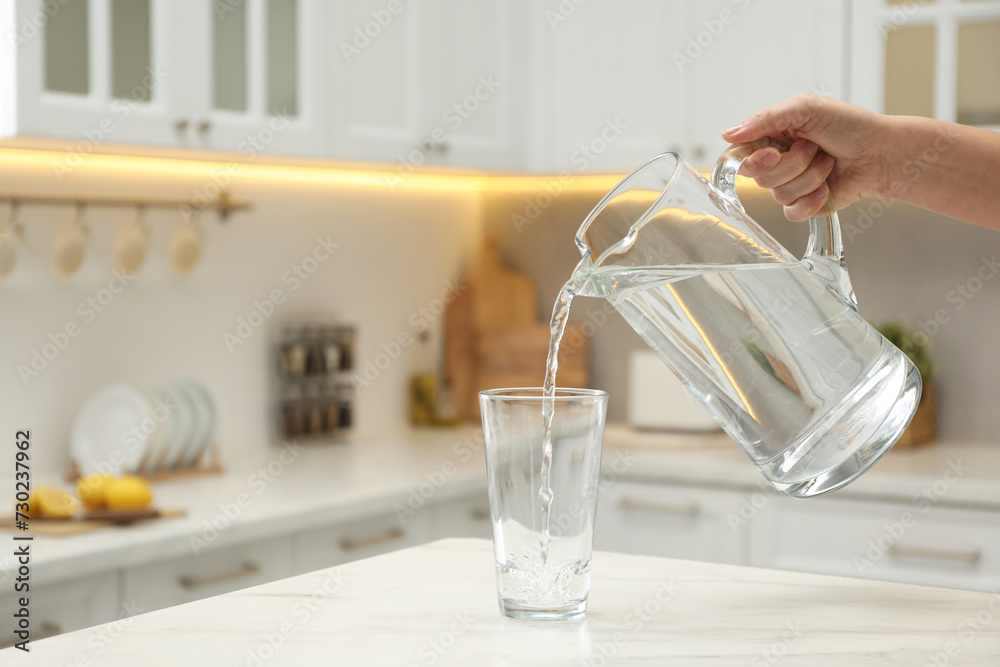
(221, 74)
(935, 58)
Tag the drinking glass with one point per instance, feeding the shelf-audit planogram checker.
(539, 576)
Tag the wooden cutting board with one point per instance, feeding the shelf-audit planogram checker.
(493, 337)
(96, 520)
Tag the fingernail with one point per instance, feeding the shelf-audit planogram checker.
(809, 146)
(734, 128)
(821, 192)
(770, 159)
(826, 161)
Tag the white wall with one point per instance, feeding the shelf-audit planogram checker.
(397, 251)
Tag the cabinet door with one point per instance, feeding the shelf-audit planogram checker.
(614, 98)
(253, 75)
(671, 521)
(739, 57)
(917, 543)
(213, 572)
(71, 605)
(378, 77)
(96, 71)
(474, 113)
(363, 538)
(468, 517)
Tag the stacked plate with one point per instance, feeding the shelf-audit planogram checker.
(128, 428)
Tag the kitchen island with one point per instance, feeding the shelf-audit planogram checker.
(436, 605)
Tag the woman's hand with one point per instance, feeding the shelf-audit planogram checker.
(837, 153)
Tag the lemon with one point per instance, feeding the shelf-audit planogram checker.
(90, 489)
(53, 503)
(127, 493)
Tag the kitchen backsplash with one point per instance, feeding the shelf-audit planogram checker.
(906, 263)
(379, 259)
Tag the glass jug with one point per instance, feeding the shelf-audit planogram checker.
(771, 345)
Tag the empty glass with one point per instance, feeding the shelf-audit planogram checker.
(539, 578)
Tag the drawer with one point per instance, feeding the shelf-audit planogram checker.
(64, 607)
(670, 521)
(362, 538)
(214, 572)
(910, 543)
(468, 517)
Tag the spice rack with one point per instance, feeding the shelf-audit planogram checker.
(315, 395)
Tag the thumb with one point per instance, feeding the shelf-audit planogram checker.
(785, 119)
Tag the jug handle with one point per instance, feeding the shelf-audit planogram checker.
(825, 251)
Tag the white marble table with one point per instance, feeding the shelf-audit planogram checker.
(436, 605)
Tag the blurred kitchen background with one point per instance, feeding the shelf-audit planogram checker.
(343, 204)
(405, 133)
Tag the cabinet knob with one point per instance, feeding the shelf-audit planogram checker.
(182, 124)
(204, 126)
(699, 152)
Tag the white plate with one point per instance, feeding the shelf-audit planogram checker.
(113, 430)
(178, 428)
(181, 427)
(206, 420)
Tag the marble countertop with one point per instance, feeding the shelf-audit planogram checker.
(290, 489)
(436, 605)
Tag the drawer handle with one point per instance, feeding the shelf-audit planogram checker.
(677, 509)
(348, 544)
(479, 514)
(968, 555)
(48, 630)
(245, 570)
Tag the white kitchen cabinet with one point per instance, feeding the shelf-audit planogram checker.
(235, 75)
(917, 542)
(613, 96)
(739, 57)
(95, 71)
(466, 517)
(213, 572)
(66, 606)
(672, 521)
(935, 59)
(431, 82)
(327, 547)
(631, 80)
(252, 77)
